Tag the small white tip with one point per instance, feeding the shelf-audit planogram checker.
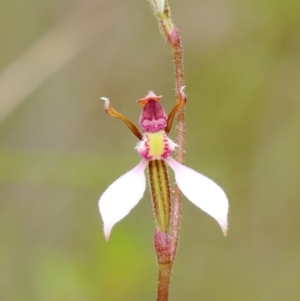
(182, 90)
(106, 102)
(107, 231)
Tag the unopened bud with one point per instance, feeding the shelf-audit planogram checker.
(158, 5)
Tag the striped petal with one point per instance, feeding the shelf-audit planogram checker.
(202, 192)
(121, 196)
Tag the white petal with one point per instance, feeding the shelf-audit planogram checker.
(202, 192)
(121, 196)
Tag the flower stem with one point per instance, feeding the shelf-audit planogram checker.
(164, 276)
(171, 35)
(163, 252)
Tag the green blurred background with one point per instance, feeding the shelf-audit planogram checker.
(59, 150)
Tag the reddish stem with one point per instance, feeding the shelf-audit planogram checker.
(164, 276)
(164, 259)
(173, 39)
(163, 241)
(176, 208)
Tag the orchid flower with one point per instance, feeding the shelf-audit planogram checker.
(155, 148)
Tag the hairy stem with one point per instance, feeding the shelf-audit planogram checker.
(171, 35)
(164, 277)
(163, 252)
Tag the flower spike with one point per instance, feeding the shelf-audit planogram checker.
(155, 147)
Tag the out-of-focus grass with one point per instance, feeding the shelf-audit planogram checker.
(59, 150)
(81, 170)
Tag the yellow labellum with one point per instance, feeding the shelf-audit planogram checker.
(156, 144)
